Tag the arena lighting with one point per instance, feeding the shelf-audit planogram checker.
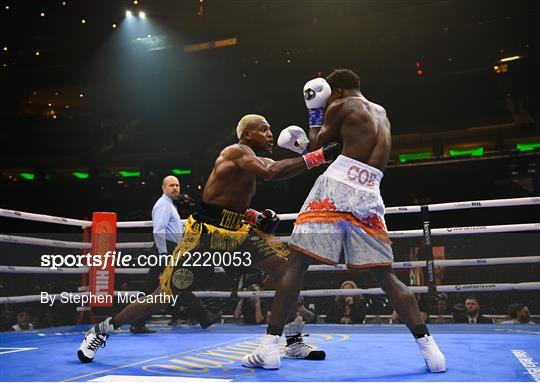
(500, 68)
(81, 175)
(27, 176)
(528, 147)
(129, 173)
(142, 15)
(511, 58)
(129, 14)
(475, 152)
(419, 70)
(180, 172)
(414, 156)
(211, 45)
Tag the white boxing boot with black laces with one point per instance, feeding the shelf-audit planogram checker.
(266, 355)
(296, 348)
(94, 338)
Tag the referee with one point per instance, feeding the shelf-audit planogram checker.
(168, 229)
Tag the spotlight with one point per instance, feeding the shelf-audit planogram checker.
(142, 15)
(129, 14)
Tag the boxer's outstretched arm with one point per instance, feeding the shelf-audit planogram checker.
(277, 170)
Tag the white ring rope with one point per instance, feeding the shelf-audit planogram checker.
(44, 218)
(478, 287)
(392, 234)
(456, 230)
(468, 230)
(68, 244)
(466, 205)
(44, 242)
(340, 267)
(287, 217)
(127, 224)
(134, 245)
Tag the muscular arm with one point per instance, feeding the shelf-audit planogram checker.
(330, 130)
(272, 171)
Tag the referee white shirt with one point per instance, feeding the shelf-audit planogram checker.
(166, 222)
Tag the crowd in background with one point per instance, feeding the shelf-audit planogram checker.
(439, 308)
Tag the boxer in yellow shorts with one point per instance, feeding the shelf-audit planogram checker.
(217, 226)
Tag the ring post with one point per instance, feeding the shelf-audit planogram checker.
(101, 283)
(427, 250)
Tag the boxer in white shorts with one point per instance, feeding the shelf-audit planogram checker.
(344, 209)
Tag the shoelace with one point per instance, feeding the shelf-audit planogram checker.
(99, 341)
(296, 339)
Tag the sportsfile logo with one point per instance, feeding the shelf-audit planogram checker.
(474, 287)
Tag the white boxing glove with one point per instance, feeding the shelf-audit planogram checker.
(293, 138)
(316, 93)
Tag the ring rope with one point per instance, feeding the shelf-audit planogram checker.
(44, 218)
(339, 267)
(392, 234)
(286, 217)
(524, 286)
(68, 244)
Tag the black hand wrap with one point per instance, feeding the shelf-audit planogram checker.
(331, 151)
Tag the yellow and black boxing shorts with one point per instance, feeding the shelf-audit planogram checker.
(216, 237)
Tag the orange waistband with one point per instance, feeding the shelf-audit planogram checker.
(372, 224)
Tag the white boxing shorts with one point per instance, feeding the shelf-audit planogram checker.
(344, 209)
